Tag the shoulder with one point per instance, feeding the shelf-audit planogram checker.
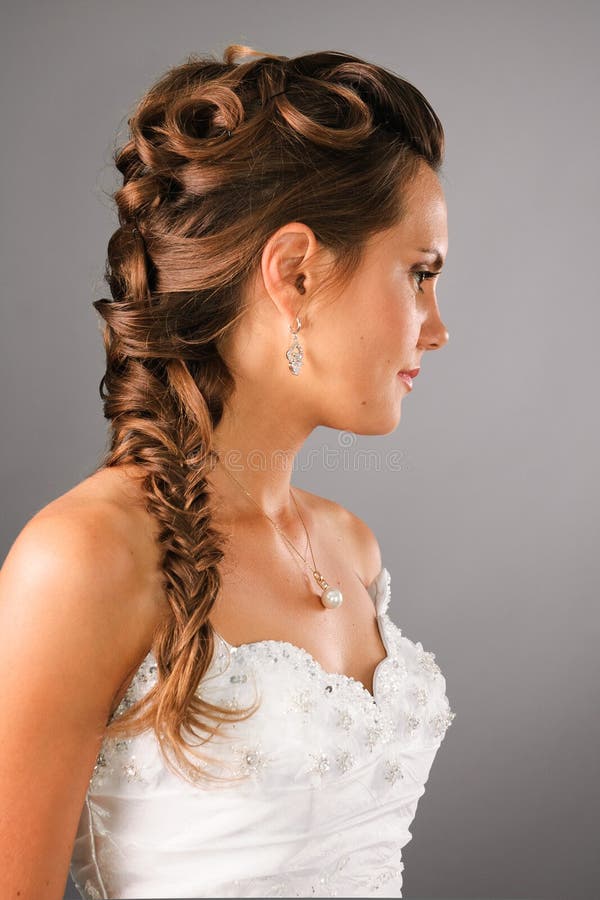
(361, 539)
(73, 627)
(365, 543)
(77, 570)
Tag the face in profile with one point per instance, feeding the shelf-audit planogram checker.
(385, 320)
(355, 341)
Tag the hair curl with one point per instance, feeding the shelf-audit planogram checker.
(214, 164)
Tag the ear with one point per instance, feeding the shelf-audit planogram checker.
(288, 268)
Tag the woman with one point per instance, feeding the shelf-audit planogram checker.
(201, 654)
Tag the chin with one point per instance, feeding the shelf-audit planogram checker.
(382, 423)
(374, 415)
(393, 423)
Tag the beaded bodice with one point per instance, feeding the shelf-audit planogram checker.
(328, 780)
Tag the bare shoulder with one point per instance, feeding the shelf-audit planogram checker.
(96, 539)
(351, 529)
(73, 623)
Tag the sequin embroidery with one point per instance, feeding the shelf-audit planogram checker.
(408, 702)
(337, 765)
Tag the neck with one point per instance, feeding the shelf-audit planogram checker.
(255, 458)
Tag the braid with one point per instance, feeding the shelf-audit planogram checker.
(195, 212)
(162, 418)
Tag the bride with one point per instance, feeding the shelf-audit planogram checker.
(204, 693)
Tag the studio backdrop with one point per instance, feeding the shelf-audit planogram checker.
(485, 499)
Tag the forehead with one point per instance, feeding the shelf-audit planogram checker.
(425, 222)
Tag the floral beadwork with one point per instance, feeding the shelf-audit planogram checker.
(251, 760)
(131, 770)
(345, 761)
(302, 701)
(321, 763)
(393, 770)
(115, 759)
(330, 770)
(391, 676)
(376, 733)
(441, 722)
(412, 723)
(421, 695)
(343, 721)
(426, 661)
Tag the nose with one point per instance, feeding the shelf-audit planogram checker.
(437, 342)
(434, 333)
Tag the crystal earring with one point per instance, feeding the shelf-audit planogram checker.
(295, 353)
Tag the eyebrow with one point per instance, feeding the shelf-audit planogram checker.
(438, 262)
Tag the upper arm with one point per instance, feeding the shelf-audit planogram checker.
(66, 643)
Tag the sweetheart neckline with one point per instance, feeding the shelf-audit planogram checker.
(295, 648)
(342, 676)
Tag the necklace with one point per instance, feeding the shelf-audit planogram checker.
(330, 597)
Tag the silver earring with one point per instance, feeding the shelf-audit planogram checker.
(295, 353)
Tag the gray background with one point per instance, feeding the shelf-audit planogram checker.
(489, 525)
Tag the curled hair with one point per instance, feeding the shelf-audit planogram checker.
(221, 153)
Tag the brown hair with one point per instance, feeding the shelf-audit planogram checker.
(214, 165)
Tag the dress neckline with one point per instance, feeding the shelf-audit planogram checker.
(340, 676)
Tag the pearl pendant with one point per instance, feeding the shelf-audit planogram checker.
(331, 598)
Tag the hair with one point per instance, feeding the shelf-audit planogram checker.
(213, 165)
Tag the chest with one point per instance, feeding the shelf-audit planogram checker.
(310, 726)
(266, 594)
(256, 606)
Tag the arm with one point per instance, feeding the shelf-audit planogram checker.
(69, 633)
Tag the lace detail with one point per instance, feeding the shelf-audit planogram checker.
(322, 762)
(341, 718)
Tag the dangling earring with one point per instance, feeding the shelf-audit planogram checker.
(295, 353)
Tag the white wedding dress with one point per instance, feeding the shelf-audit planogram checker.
(333, 775)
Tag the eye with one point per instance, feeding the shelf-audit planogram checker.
(421, 275)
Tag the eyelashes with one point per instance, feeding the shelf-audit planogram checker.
(422, 276)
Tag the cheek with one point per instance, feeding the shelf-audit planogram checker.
(398, 323)
(373, 335)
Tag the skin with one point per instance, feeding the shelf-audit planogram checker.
(81, 587)
(355, 342)
(354, 346)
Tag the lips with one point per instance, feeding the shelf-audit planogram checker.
(407, 377)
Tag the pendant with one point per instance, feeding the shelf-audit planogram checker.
(295, 355)
(331, 598)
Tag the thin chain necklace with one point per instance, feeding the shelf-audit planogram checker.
(331, 598)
